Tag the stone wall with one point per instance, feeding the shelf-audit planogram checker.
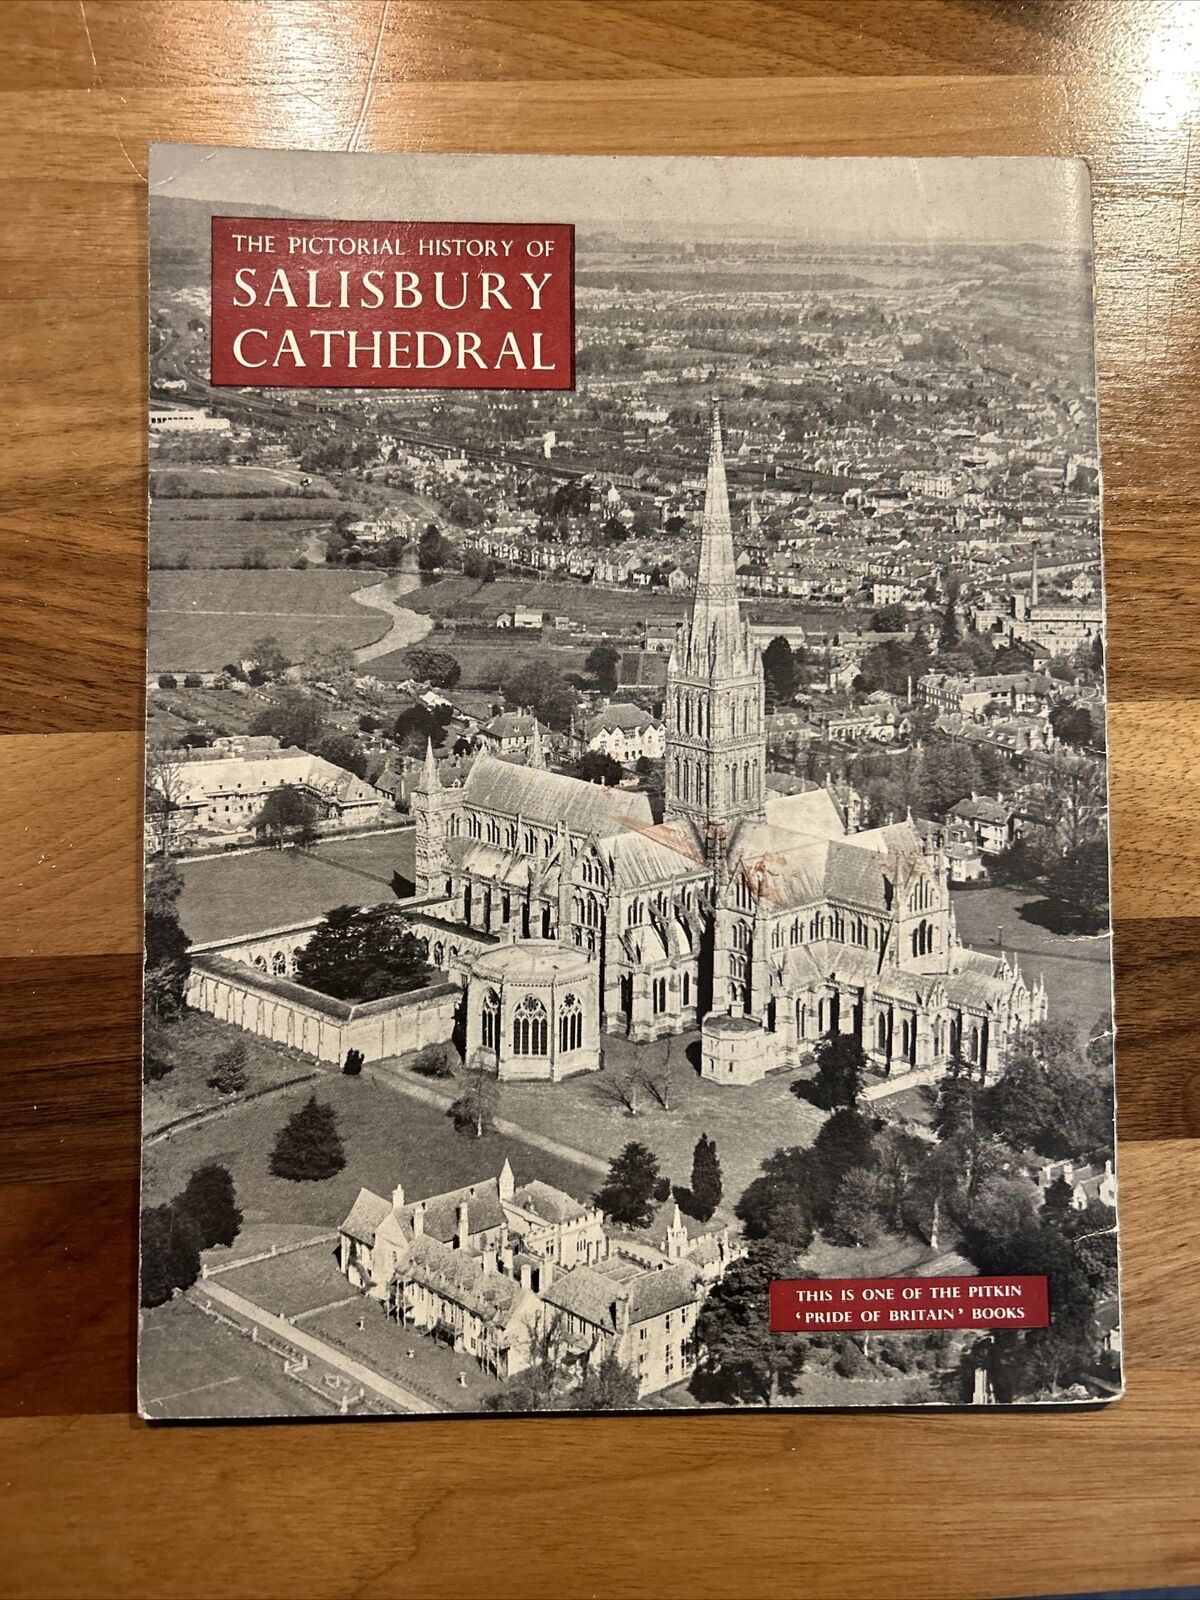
(286, 1012)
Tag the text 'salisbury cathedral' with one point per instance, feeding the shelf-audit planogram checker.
(568, 913)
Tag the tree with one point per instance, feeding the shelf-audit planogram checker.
(436, 667)
(166, 786)
(950, 631)
(627, 1195)
(434, 550)
(474, 1111)
(1071, 724)
(542, 1386)
(743, 1362)
(706, 1186)
(419, 725)
(344, 751)
(949, 773)
(606, 1386)
(209, 1199)
(287, 812)
(267, 655)
(537, 684)
(228, 1075)
(168, 964)
(363, 953)
(434, 1062)
(841, 1066)
(602, 662)
(857, 1206)
(1078, 882)
(597, 766)
(295, 718)
(170, 1253)
(778, 1204)
(779, 671)
(329, 664)
(308, 1148)
(846, 1140)
(890, 619)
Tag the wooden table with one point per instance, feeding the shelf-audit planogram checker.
(94, 1503)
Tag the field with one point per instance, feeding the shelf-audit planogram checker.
(224, 512)
(201, 620)
(181, 1349)
(388, 1137)
(234, 894)
(614, 611)
(484, 659)
(1077, 971)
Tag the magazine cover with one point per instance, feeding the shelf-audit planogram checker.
(626, 827)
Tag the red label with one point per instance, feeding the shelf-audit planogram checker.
(392, 305)
(830, 1305)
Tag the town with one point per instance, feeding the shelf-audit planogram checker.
(608, 849)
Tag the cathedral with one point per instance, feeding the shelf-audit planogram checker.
(567, 913)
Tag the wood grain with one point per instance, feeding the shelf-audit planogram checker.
(95, 1504)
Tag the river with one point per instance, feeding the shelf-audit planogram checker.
(407, 626)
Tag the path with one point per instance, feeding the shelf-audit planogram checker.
(394, 1078)
(395, 1394)
(407, 626)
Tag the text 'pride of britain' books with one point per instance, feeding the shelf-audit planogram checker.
(626, 813)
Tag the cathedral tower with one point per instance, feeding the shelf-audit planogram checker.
(716, 745)
(428, 803)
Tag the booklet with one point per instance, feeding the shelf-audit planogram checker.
(626, 815)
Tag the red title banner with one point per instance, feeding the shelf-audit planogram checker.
(815, 1305)
(392, 305)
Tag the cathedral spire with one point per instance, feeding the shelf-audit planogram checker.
(429, 770)
(715, 624)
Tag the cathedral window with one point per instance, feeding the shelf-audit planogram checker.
(733, 781)
(261, 963)
(801, 1020)
(439, 955)
(794, 937)
(279, 964)
(660, 995)
(489, 1021)
(741, 935)
(570, 1024)
(687, 989)
(881, 1031)
(530, 1028)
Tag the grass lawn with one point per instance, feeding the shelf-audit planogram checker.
(747, 1123)
(485, 660)
(385, 1346)
(388, 1139)
(288, 1284)
(191, 1366)
(1077, 971)
(201, 620)
(243, 893)
(194, 1044)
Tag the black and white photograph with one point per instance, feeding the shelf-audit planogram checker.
(612, 848)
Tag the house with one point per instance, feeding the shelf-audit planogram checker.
(512, 733)
(489, 1266)
(626, 733)
(220, 791)
(991, 821)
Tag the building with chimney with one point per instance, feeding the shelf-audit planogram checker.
(756, 916)
(500, 1271)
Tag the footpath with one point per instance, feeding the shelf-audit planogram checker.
(395, 1078)
(394, 1393)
